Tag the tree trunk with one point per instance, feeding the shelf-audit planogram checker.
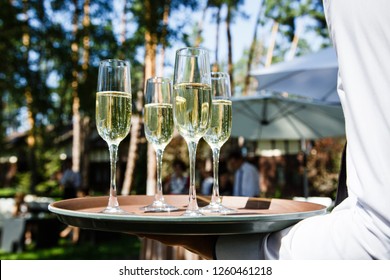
(31, 139)
(85, 133)
(149, 71)
(76, 146)
(230, 51)
(293, 47)
(164, 36)
(85, 121)
(77, 143)
(135, 124)
(252, 51)
(2, 125)
(86, 40)
(122, 38)
(198, 38)
(132, 155)
(150, 55)
(271, 46)
(215, 67)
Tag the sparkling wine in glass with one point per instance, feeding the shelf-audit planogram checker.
(113, 116)
(218, 133)
(159, 127)
(192, 107)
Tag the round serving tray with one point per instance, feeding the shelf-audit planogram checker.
(254, 215)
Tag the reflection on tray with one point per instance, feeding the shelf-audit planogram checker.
(241, 213)
(167, 212)
(203, 200)
(246, 203)
(238, 203)
(257, 204)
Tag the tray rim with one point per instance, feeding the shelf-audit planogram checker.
(180, 219)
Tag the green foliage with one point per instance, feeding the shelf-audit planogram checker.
(324, 165)
(22, 182)
(49, 188)
(7, 192)
(240, 67)
(52, 163)
(124, 247)
(9, 55)
(286, 12)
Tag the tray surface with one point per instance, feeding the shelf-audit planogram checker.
(253, 215)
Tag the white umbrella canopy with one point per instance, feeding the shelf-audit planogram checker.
(313, 76)
(279, 118)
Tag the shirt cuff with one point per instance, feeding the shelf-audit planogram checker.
(239, 247)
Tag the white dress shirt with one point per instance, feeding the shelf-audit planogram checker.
(359, 228)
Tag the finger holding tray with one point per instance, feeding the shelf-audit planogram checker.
(253, 215)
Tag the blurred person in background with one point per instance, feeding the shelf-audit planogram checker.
(225, 181)
(207, 183)
(178, 183)
(70, 181)
(246, 175)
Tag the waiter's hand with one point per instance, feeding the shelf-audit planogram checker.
(203, 245)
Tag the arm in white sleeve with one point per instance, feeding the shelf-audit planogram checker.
(359, 228)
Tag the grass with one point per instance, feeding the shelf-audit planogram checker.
(103, 246)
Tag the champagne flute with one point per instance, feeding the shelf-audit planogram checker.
(113, 116)
(218, 133)
(158, 120)
(192, 107)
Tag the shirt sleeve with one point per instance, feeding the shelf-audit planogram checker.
(359, 228)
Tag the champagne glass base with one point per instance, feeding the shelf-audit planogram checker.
(115, 210)
(192, 213)
(216, 208)
(159, 206)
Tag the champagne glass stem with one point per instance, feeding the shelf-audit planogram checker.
(215, 198)
(159, 193)
(113, 201)
(193, 204)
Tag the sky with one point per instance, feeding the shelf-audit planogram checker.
(242, 31)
